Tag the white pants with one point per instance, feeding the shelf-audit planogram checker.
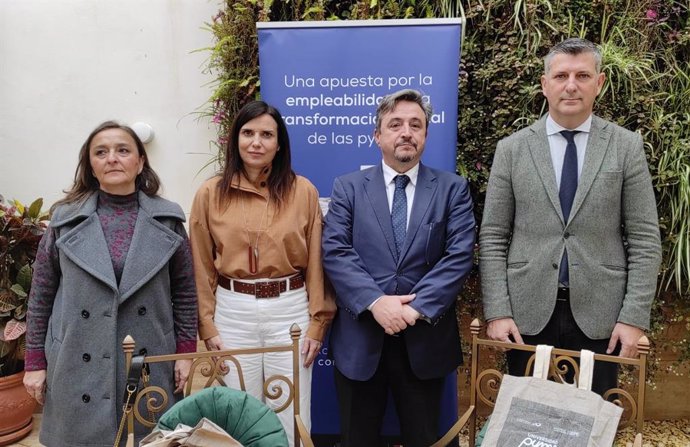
(244, 321)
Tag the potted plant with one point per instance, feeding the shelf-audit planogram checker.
(21, 228)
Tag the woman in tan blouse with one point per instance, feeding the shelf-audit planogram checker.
(256, 241)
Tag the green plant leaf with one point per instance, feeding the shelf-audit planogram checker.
(24, 277)
(17, 204)
(35, 208)
(18, 290)
(315, 10)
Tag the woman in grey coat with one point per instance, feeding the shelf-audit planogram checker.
(115, 261)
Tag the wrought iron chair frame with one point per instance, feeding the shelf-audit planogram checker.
(210, 364)
(484, 384)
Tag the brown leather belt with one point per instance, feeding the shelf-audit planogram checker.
(262, 289)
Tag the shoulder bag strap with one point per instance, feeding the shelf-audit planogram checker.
(584, 381)
(131, 389)
(542, 362)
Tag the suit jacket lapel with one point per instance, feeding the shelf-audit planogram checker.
(541, 155)
(375, 188)
(424, 192)
(598, 141)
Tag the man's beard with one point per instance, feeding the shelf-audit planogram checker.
(405, 157)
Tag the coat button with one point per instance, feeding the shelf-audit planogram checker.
(85, 398)
(554, 265)
(142, 310)
(85, 314)
(566, 235)
(86, 357)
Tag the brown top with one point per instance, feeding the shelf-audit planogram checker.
(289, 242)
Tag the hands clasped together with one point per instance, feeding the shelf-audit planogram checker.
(393, 312)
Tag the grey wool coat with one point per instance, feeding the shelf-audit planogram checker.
(612, 236)
(92, 314)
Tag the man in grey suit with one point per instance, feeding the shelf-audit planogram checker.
(569, 242)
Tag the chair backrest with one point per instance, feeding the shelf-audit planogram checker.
(208, 370)
(485, 383)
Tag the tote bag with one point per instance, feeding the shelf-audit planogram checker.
(535, 412)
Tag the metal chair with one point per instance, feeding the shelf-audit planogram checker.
(210, 365)
(484, 383)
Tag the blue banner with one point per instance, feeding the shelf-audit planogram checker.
(327, 78)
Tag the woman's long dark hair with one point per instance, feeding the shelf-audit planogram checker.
(281, 179)
(85, 182)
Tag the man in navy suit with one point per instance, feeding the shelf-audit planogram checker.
(397, 251)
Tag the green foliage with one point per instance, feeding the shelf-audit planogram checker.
(668, 135)
(646, 59)
(234, 61)
(21, 229)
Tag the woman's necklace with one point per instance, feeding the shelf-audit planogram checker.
(253, 250)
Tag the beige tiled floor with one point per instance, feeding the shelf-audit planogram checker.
(666, 433)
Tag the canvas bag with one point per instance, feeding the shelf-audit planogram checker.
(535, 412)
(204, 434)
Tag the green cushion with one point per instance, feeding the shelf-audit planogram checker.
(246, 419)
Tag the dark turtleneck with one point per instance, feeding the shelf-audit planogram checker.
(118, 216)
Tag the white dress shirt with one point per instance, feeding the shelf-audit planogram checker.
(558, 143)
(389, 175)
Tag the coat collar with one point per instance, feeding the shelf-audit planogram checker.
(260, 186)
(154, 206)
(153, 243)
